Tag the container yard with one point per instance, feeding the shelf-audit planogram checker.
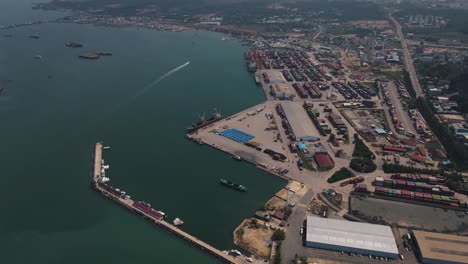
(144, 209)
(422, 188)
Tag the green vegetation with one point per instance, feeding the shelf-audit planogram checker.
(408, 84)
(361, 150)
(457, 17)
(339, 175)
(363, 165)
(240, 232)
(278, 235)
(457, 151)
(398, 168)
(454, 180)
(335, 199)
(393, 75)
(305, 163)
(457, 76)
(393, 45)
(368, 104)
(277, 257)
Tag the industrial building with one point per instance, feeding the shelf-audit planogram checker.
(436, 248)
(354, 237)
(282, 91)
(324, 161)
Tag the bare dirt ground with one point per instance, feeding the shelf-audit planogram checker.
(256, 240)
(296, 191)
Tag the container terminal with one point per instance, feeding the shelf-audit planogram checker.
(99, 182)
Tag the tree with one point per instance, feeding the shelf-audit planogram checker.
(342, 174)
(368, 104)
(277, 257)
(278, 235)
(254, 222)
(364, 165)
(361, 150)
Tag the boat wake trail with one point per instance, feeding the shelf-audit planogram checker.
(169, 73)
(149, 86)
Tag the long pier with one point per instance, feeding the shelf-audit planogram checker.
(128, 203)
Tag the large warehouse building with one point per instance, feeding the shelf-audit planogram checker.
(359, 238)
(436, 248)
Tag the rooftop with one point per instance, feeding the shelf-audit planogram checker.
(323, 160)
(351, 234)
(449, 248)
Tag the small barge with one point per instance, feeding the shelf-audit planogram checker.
(177, 222)
(104, 53)
(233, 185)
(89, 56)
(73, 45)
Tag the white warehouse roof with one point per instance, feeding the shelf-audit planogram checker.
(349, 236)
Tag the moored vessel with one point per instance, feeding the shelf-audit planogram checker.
(177, 222)
(204, 122)
(236, 186)
(89, 56)
(73, 45)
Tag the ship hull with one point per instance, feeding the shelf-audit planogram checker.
(194, 128)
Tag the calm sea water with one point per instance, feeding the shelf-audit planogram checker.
(57, 107)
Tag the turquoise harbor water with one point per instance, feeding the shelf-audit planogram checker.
(57, 107)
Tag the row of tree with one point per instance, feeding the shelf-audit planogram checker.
(458, 152)
(453, 180)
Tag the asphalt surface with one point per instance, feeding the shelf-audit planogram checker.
(412, 215)
(408, 60)
(402, 114)
(298, 119)
(294, 241)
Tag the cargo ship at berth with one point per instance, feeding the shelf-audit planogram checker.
(204, 122)
(233, 185)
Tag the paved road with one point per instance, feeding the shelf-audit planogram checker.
(293, 242)
(407, 55)
(318, 33)
(402, 114)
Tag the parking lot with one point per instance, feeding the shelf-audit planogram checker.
(410, 215)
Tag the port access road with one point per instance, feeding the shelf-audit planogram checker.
(128, 203)
(408, 61)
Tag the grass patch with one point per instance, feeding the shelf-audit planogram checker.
(240, 232)
(393, 45)
(392, 75)
(323, 169)
(433, 145)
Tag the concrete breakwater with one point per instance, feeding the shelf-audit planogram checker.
(126, 202)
